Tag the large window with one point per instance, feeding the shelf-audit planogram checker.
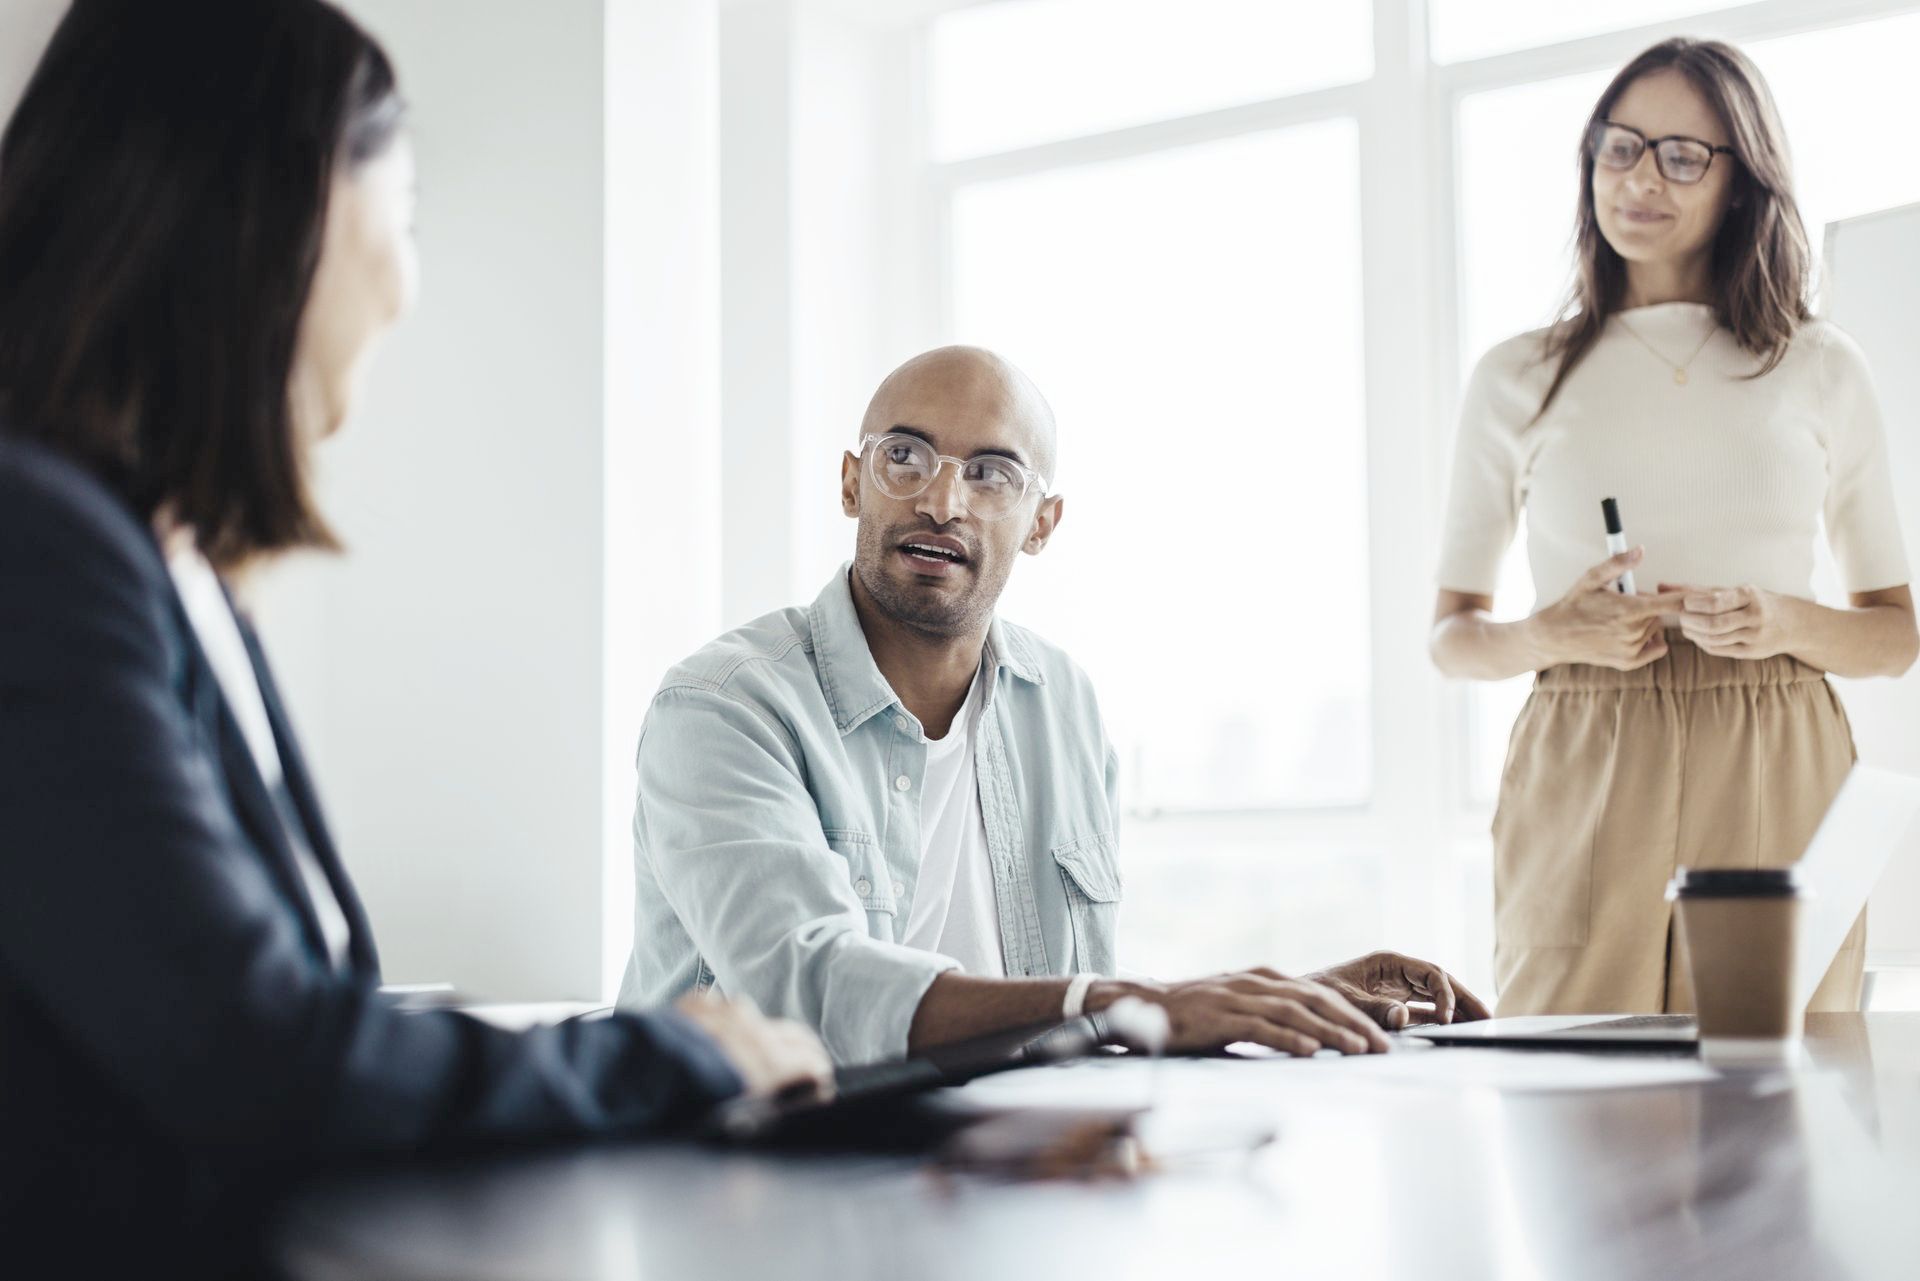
(1024, 72)
(1221, 235)
(1215, 497)
(1465, 29)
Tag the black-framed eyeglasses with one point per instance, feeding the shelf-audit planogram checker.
(904, 466)
(1680, 159)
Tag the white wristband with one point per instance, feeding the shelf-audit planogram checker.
(1075, 1004)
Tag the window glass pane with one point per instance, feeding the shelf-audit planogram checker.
(1519, 182)
(1201, 902)
(1848, 98)
(1197, 327)
(1023, 72)
(1462, 29)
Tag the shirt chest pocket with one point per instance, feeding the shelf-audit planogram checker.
(871, 881)
(1090, 875)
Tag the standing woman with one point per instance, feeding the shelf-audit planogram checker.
(1688, 379)
(204, 225)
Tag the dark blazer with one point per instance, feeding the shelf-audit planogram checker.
(172, 1035)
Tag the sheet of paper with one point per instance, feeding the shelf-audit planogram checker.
(1252, 1076)
(1521, 1071)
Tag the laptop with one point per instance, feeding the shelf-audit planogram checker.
(870, 1088)
(1873, 817)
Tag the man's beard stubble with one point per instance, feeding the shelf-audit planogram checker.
(907, 603)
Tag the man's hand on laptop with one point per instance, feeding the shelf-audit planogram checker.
(1263, 1007)
(1396, 991)
(772, 1056)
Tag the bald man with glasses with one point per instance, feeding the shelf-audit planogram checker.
(892, 815)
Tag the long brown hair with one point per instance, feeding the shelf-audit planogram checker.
(163, 189)
(1762, 267)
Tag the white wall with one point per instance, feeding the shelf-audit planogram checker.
(817, 176)
(529, 492)
(663, 472)
(848, 154)
(475, 669)
(450, 665)
(757, 310)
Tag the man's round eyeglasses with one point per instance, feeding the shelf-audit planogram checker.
(905, 466)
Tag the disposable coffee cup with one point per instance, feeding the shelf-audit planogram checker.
(1740, 932)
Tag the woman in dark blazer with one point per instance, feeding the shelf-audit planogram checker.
(204, 223)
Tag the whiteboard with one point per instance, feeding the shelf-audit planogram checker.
(1872, 291)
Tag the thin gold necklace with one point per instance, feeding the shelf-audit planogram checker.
(1679, 371)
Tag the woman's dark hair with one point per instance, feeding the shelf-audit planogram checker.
(1762, 266)
(163, 193)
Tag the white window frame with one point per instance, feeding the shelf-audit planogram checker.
(1407, 114)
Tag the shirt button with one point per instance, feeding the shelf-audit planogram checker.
(903, 722)
(863, 887)
(902, 783)
(899, 889)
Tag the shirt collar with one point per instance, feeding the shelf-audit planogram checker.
(850, 678)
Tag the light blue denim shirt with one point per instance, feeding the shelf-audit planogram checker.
(776, 836)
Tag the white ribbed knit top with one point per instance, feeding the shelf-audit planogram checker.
(1725, 479)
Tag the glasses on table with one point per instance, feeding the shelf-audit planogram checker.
(1680, 159)
(905, 466)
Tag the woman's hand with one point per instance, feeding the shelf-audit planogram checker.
(1739, 622)
(772, 1056)
(1595, 624)
(1876, 636)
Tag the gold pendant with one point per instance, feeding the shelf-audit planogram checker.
(1680, 377)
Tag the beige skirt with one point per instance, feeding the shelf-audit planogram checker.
(1615, 778)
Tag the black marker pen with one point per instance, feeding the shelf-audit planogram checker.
(1616, 542)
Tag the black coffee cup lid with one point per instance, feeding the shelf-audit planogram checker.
(1734, 882)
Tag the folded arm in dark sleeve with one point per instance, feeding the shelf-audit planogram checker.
(137, 916)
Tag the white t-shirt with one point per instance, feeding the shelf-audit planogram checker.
(955, 912)
(1726, 479)
(219, 635)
